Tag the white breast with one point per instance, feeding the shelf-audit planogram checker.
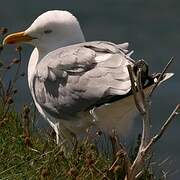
(31, 73)
(32, 66)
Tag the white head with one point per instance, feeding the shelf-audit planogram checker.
(51, 30)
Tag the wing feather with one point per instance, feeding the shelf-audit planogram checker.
(71, 79)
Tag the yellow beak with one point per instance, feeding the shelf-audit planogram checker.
(16, 38)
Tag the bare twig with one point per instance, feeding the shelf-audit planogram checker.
(142, 102)
(154, 139)
(16, 75)
(163, 128)
(145, 101)
(134, 91)
(139, 85)
(114, 163)
(26, 132)
(161, 76)
(100, 172)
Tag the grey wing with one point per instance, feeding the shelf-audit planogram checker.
(71, 79)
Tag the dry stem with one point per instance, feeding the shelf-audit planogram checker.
(161, 76)
(143, 102)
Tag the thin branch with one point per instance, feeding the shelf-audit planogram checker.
(133, 87)
(143, 105)
(139, 85)
(163, 128)
(145, 100)
(143, 152)
(139, 175)
(161, 76)
(100, 172)
(114, 164)
(158, 135)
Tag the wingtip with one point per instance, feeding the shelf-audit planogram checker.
(167, 76)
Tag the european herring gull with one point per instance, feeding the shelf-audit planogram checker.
(76, 84)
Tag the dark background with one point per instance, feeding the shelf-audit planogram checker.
(151, 27)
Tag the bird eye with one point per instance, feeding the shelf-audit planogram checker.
(48, 31)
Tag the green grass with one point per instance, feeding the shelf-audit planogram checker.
(25, 154)
(42, 158)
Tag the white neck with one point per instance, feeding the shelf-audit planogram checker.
(44, 49)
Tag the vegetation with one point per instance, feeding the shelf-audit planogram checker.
(28, 154)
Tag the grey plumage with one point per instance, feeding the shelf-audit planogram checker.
(71, 79)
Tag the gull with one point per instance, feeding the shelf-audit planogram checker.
(77, 84)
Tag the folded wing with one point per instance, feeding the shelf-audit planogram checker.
(71, 79)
